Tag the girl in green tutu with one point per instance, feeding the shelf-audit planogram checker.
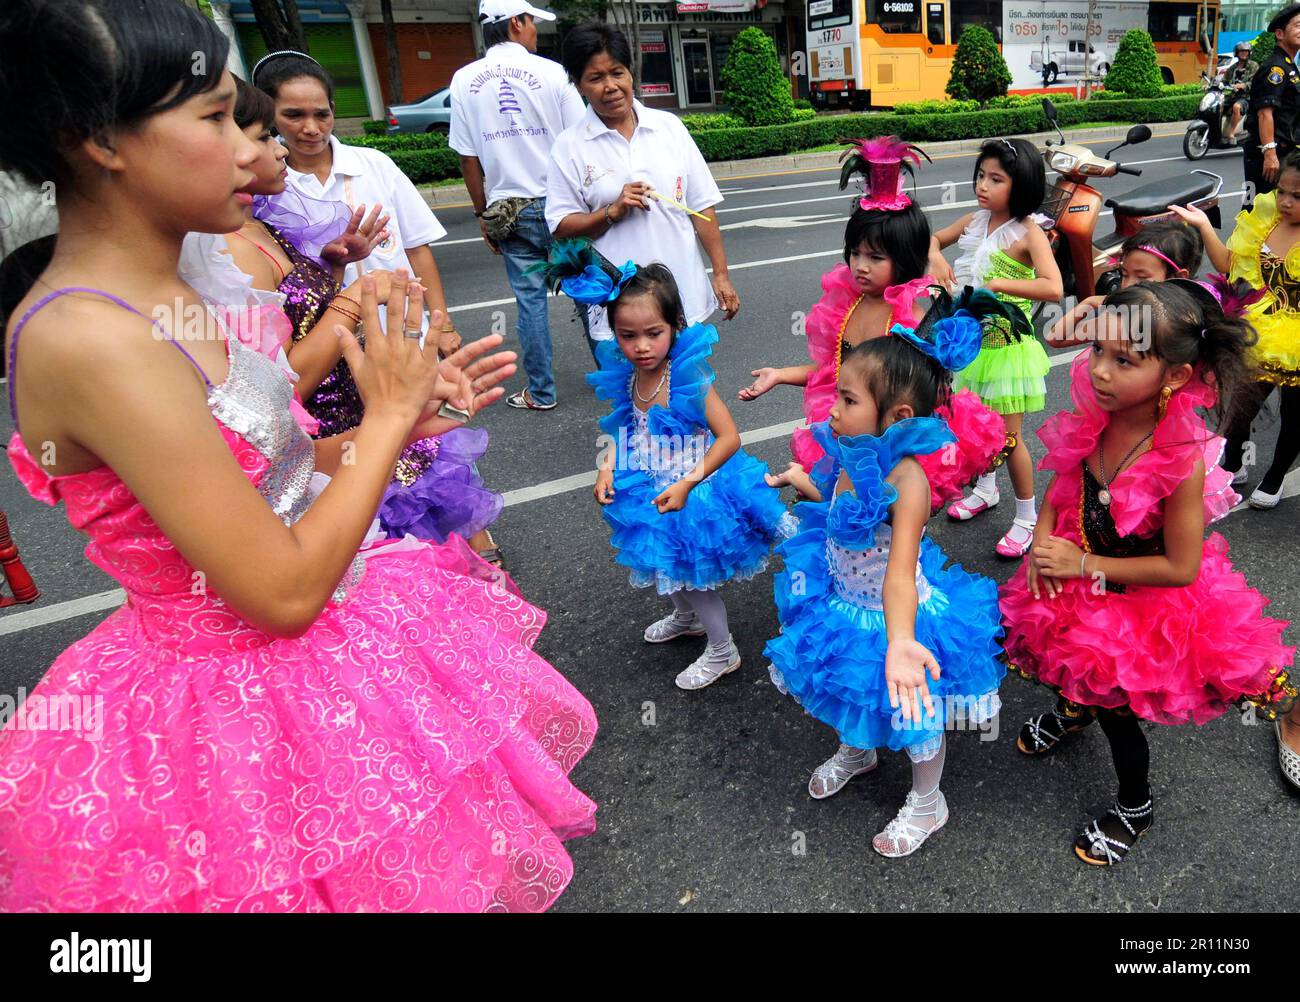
(1004, 250)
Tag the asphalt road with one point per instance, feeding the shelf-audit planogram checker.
(703, 801)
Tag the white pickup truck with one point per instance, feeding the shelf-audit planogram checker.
(1068, 61)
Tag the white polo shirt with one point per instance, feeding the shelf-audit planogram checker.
(507, 109)
(590, 163)
(362, 175)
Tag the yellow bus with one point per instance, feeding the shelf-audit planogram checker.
(879, 53)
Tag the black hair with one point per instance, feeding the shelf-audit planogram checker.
(496, 32)
(897, 372)
(253, 106)
(73, 69)
(654, 280)
(1187, 326)
(1290, 162)
(1181, 243)
(18, 274)
(590, 39)
(902, 235)
(1023, 164)
(280, 69)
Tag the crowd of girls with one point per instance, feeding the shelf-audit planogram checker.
(318, 679)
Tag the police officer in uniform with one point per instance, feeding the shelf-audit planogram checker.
(1274, 104)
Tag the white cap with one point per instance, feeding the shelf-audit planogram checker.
(493, 11)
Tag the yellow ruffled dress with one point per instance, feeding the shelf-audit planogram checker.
(1275, 317)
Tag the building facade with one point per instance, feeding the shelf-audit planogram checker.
(684, 45)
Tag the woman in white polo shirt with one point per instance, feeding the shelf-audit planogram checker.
(601, 171)
(323, 168)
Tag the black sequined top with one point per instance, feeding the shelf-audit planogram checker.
(1100, 536)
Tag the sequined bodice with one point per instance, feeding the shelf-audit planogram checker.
(858, 576)
(1097, 528)
(1284, 287)
(308, 290)
(168, 596)
(666, 458)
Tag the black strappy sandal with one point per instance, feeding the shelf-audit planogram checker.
(492, 554)
(1043, 733)
(1106, 846)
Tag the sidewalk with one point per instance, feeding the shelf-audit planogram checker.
(454, 195)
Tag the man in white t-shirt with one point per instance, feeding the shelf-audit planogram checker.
(506, 111)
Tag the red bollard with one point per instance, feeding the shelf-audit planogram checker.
(19, 581)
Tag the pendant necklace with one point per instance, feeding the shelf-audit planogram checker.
(655, 392)
(1103, 495)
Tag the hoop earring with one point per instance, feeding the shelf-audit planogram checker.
(1162, 406)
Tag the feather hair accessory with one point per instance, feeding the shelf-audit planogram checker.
(881, 162)
(1233, 297)
(583, 273)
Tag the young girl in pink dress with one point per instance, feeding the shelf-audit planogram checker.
(290, 721)
(1122, 606)
(886, 243)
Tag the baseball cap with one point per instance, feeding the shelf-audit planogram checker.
(492, 11)
(1283, 17)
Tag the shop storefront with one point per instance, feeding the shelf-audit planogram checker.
(684, 46)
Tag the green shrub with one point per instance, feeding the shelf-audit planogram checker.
(804, 114)
(802, 102)
(1135, 71)
(374, 127)
(423, 166)
(736, 144)
(935, 107)
(1263, 47)
(400, 141)
(703, 122)
(755, 88)
(978, 70)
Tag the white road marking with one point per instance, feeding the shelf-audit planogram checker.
(43, 616)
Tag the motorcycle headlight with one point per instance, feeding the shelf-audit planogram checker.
(1209, 101)
(1063, 162)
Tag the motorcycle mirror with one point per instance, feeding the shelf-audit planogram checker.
(1049, 109)
(1137, 134)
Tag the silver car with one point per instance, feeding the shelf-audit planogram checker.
(431, 113)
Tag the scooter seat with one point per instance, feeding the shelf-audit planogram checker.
(1156, 197)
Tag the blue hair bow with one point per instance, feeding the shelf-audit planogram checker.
(956, 340)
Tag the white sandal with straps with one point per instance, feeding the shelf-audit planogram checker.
(833, 775)
(1288, 759)
(1103, 850)
(901, 837)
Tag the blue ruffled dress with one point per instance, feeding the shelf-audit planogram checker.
(730, 520)
(830, 655)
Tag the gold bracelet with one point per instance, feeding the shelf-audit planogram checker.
(354, 317)
(348, 299)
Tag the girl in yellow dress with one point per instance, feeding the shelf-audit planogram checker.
(1264, 250)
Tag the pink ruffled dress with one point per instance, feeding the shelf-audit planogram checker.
(980, 432)
(1172, 655)
(410, 751)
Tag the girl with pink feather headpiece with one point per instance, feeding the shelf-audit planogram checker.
(877, 287)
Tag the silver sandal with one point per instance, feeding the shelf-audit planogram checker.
(835, 773)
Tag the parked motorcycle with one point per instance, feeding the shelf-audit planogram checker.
(1074, 207)
(1208, 129)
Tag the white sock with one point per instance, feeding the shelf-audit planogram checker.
(987, 486)
(1027, 509)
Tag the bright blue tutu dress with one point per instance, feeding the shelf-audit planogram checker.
(730, 520)
(830, 655)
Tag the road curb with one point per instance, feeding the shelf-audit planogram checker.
(455, 196)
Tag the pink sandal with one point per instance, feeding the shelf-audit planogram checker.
(973, 504)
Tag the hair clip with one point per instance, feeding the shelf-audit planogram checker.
(272, 55)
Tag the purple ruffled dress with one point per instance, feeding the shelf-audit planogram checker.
(436, 490)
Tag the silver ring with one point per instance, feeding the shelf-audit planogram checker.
(416, 333)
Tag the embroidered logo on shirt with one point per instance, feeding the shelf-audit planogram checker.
(591, 174)
(1275, 75)
(678, 193)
